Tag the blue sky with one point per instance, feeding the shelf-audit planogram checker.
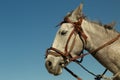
(27, 28)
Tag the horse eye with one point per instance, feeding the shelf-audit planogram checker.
(63, 32)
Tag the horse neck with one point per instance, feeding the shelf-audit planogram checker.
(97, 35)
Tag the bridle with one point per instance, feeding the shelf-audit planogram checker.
(66, 54)
(76, 30)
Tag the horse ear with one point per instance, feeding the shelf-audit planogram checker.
(77, 12)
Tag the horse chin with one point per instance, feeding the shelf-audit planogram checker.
(56, 72)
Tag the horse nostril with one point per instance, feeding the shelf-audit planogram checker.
(49, 63)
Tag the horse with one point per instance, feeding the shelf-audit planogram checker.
(76, 33)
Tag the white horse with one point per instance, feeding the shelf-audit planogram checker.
(69, 42)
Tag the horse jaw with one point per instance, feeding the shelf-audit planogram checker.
(53, 64)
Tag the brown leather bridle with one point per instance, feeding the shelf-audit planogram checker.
(76, 30)
(66, 54)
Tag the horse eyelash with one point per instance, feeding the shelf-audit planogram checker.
(63, 32)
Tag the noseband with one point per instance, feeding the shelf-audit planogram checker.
(77, 30)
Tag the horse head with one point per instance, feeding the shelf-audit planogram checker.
(67, 43)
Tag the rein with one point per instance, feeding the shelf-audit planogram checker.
(66, 54)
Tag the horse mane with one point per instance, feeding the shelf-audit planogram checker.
(109, 26)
